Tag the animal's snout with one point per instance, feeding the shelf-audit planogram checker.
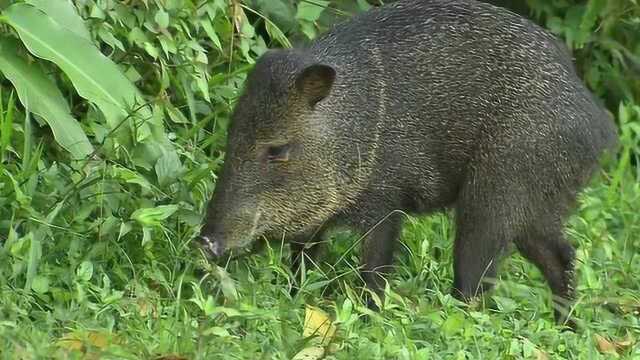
(212, 245)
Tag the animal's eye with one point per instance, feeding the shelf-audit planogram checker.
(278, 153)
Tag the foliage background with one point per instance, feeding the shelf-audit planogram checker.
(112, 126)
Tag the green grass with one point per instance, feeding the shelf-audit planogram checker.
(162, 298)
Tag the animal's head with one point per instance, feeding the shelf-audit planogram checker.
(279, 175)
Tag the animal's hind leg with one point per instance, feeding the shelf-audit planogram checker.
(554, 256)
(477, 251)
(484, 227)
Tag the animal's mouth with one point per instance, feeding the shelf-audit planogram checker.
(216, 250)
(211, 246)
(218, 243)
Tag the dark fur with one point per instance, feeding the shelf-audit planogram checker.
(417, 106)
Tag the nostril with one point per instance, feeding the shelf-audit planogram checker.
(213, 246)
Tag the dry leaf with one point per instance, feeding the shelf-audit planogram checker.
(317, 323)
(170, 357)
(77, 340)
(625, 344)
(541, 355)
(86, 341)
(146, 308)
(607, 346)
(604, 345)
(237, 14)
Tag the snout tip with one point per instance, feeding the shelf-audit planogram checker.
(214, 247)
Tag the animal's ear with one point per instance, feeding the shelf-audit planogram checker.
(314, 82)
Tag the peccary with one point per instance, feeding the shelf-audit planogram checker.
(415, 107)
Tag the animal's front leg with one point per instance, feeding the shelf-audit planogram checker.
(305, 249)
(377, 254)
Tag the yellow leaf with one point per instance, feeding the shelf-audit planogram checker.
(317, 323)
(71, 344)
(78, 341)
(310, 353)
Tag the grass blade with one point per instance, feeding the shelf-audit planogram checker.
(6, 126)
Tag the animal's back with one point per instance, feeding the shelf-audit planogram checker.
(449, 84)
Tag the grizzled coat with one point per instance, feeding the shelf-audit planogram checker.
(414, 107)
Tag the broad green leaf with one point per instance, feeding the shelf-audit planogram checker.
(95, 77)
(64, 13)
(162, 19)
(227, 285)
(138, 37)
(277, 34)
(174, 114)
(364, 5)
(217, 331)
(168, 168)
(311, 11)
(130, 177)
(40, 284)
(209, 306)
(453, 324)
(85, 271)
(279, 12)
(594, 8)
(153, 216)
(42, 97)
(208, 28)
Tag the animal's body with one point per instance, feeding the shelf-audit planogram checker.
(417, 106)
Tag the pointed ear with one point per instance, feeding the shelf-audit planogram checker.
(314, 82)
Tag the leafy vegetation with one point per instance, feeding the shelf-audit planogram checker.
(112, 125)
